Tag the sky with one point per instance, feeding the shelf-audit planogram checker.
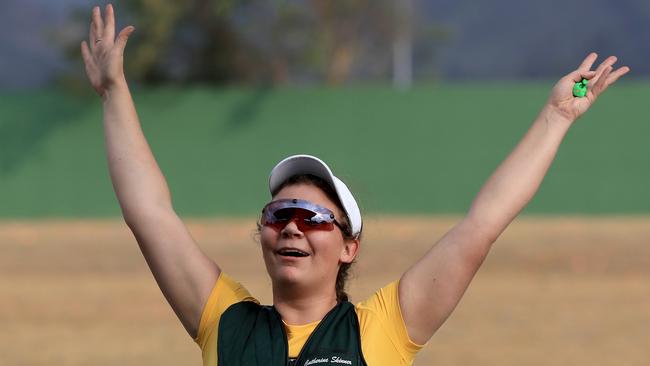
(28, 57)
(497, 39)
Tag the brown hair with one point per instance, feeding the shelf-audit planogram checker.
(344, 270)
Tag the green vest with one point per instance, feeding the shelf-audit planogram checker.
(254, 335)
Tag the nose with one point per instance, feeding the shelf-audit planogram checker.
(291, 230)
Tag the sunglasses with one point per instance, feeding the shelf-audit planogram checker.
(307, 216)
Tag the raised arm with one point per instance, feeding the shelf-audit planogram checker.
(430, 290)
(183, 272)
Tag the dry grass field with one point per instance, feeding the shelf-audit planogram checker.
(554, 291)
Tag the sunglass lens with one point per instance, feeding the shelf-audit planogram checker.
(305, 219)
(315, 225)
(284, 214)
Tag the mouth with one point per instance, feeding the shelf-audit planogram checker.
(292, 252)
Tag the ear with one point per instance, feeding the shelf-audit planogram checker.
(350, 250)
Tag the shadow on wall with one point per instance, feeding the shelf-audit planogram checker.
(245, 111)
(27, 120)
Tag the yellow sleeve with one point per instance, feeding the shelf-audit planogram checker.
(384, 338)
(225, 292)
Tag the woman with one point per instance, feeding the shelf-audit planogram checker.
(310, 234)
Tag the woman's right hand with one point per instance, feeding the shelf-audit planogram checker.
(103, 53)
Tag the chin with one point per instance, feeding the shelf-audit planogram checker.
(287, 276)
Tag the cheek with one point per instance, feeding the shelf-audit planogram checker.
(268, 237)
(268, 241)
(327, 245)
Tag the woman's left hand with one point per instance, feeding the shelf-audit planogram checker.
(562, 102)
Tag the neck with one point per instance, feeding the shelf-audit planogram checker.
(301, 306)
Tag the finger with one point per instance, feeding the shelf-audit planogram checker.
(123, 37)
(611, 79)
(96, 27)
(600, 85)
(92, 30)
(85, 53)
(588, 62)
(89, 63)
(109, 27)
(97, 18)
(611, 60)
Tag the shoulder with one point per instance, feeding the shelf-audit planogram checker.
(225, 293)
(381, 323)
(384, 301)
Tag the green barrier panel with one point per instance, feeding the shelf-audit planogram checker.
(427, 150)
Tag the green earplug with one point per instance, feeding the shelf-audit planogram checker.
(580, 88)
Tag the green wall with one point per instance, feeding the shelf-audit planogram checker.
(424, 151)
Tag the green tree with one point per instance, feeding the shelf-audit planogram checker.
(257, 41)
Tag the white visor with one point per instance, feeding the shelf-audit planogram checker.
(307, 164)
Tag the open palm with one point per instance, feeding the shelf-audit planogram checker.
(570, 107)
(103, 54)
